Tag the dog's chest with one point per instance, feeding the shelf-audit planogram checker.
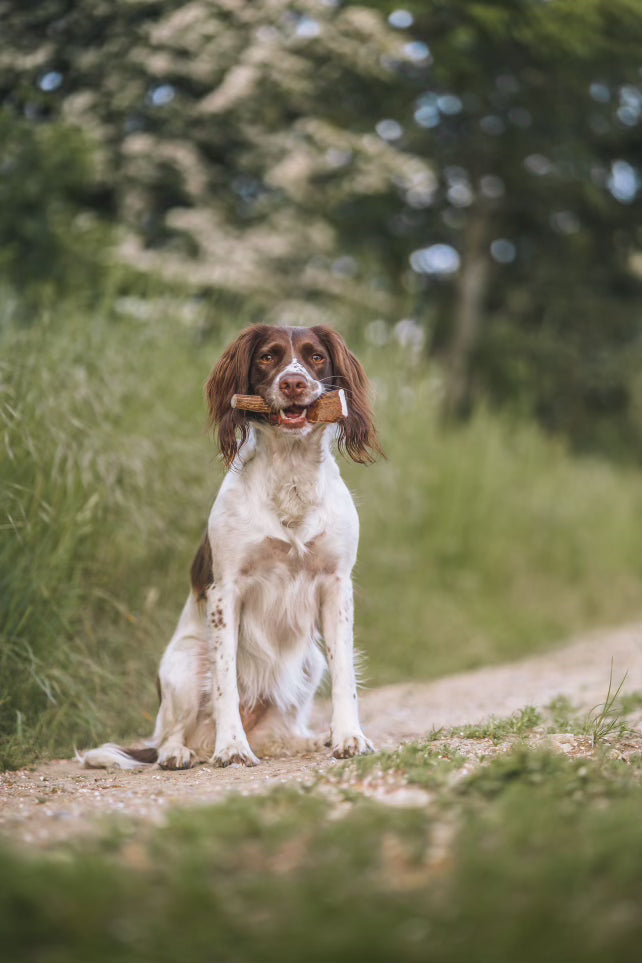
(292, 501)
(291, 539)
(293, 487)
(279, 589)
(283, 561)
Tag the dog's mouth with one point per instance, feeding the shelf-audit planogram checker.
(294, 416)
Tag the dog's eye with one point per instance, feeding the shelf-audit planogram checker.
(266, 357)
(317, 358)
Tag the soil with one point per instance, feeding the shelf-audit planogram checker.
(54, 801)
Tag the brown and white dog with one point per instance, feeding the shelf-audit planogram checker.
(272, 577)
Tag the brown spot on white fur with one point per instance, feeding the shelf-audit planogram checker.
(201, 571)
(316, 559)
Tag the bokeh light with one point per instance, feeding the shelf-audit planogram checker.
(438, 260)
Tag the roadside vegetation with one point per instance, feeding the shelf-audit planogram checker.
(526, 851)
(478, 544)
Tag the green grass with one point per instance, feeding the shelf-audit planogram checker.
(533, 857)
(496, 541)
(605, 722)
(419, 763)
(431, 761)
(96, 482)
(564, 716)
(605, 718)
(480, 544)
(495, 729)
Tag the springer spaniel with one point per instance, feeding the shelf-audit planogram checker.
(273, 573)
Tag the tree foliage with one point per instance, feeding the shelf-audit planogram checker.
(530, 115)
(51, 241)
(236, 139)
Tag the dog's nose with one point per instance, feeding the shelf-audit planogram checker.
(292, 386)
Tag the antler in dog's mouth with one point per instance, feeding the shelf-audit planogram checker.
(329, 407)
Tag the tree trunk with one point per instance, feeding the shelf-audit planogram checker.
(471, 288)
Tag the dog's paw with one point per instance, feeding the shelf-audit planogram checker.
(351, 745)
(176, 758)
(235, 754)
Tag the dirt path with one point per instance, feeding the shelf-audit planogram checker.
(56, 800)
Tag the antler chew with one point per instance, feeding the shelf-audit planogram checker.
(330, 407)
(251, 403)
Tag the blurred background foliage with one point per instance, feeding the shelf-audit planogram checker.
(470, 165)
(454, 184)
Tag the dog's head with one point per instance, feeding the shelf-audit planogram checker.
(290, 368)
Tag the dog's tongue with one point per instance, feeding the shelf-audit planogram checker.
(293, 417)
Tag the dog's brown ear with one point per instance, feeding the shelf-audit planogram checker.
(231, 376)
(357, 435)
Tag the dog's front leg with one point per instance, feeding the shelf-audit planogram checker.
(337, 616)
(222, 622)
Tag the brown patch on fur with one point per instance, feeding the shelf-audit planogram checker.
(251, 717)
(143, 754)
(316, 562)
(273, 551)
(267, 554)
(201, 570)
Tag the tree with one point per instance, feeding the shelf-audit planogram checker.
(529, 114)
(50, 240)
(235, 140)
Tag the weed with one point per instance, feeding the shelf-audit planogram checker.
(605, 719)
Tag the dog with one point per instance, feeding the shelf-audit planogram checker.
(271, 579)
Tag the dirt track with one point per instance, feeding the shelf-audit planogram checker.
(56, 800)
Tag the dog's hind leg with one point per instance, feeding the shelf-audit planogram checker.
(182, 686)
(185, 691)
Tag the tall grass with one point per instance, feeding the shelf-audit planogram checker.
(479, 544)
(104, 490)
(485, 542)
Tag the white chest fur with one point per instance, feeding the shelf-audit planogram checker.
(283, 525)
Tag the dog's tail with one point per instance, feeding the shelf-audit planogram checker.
(109, 755)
